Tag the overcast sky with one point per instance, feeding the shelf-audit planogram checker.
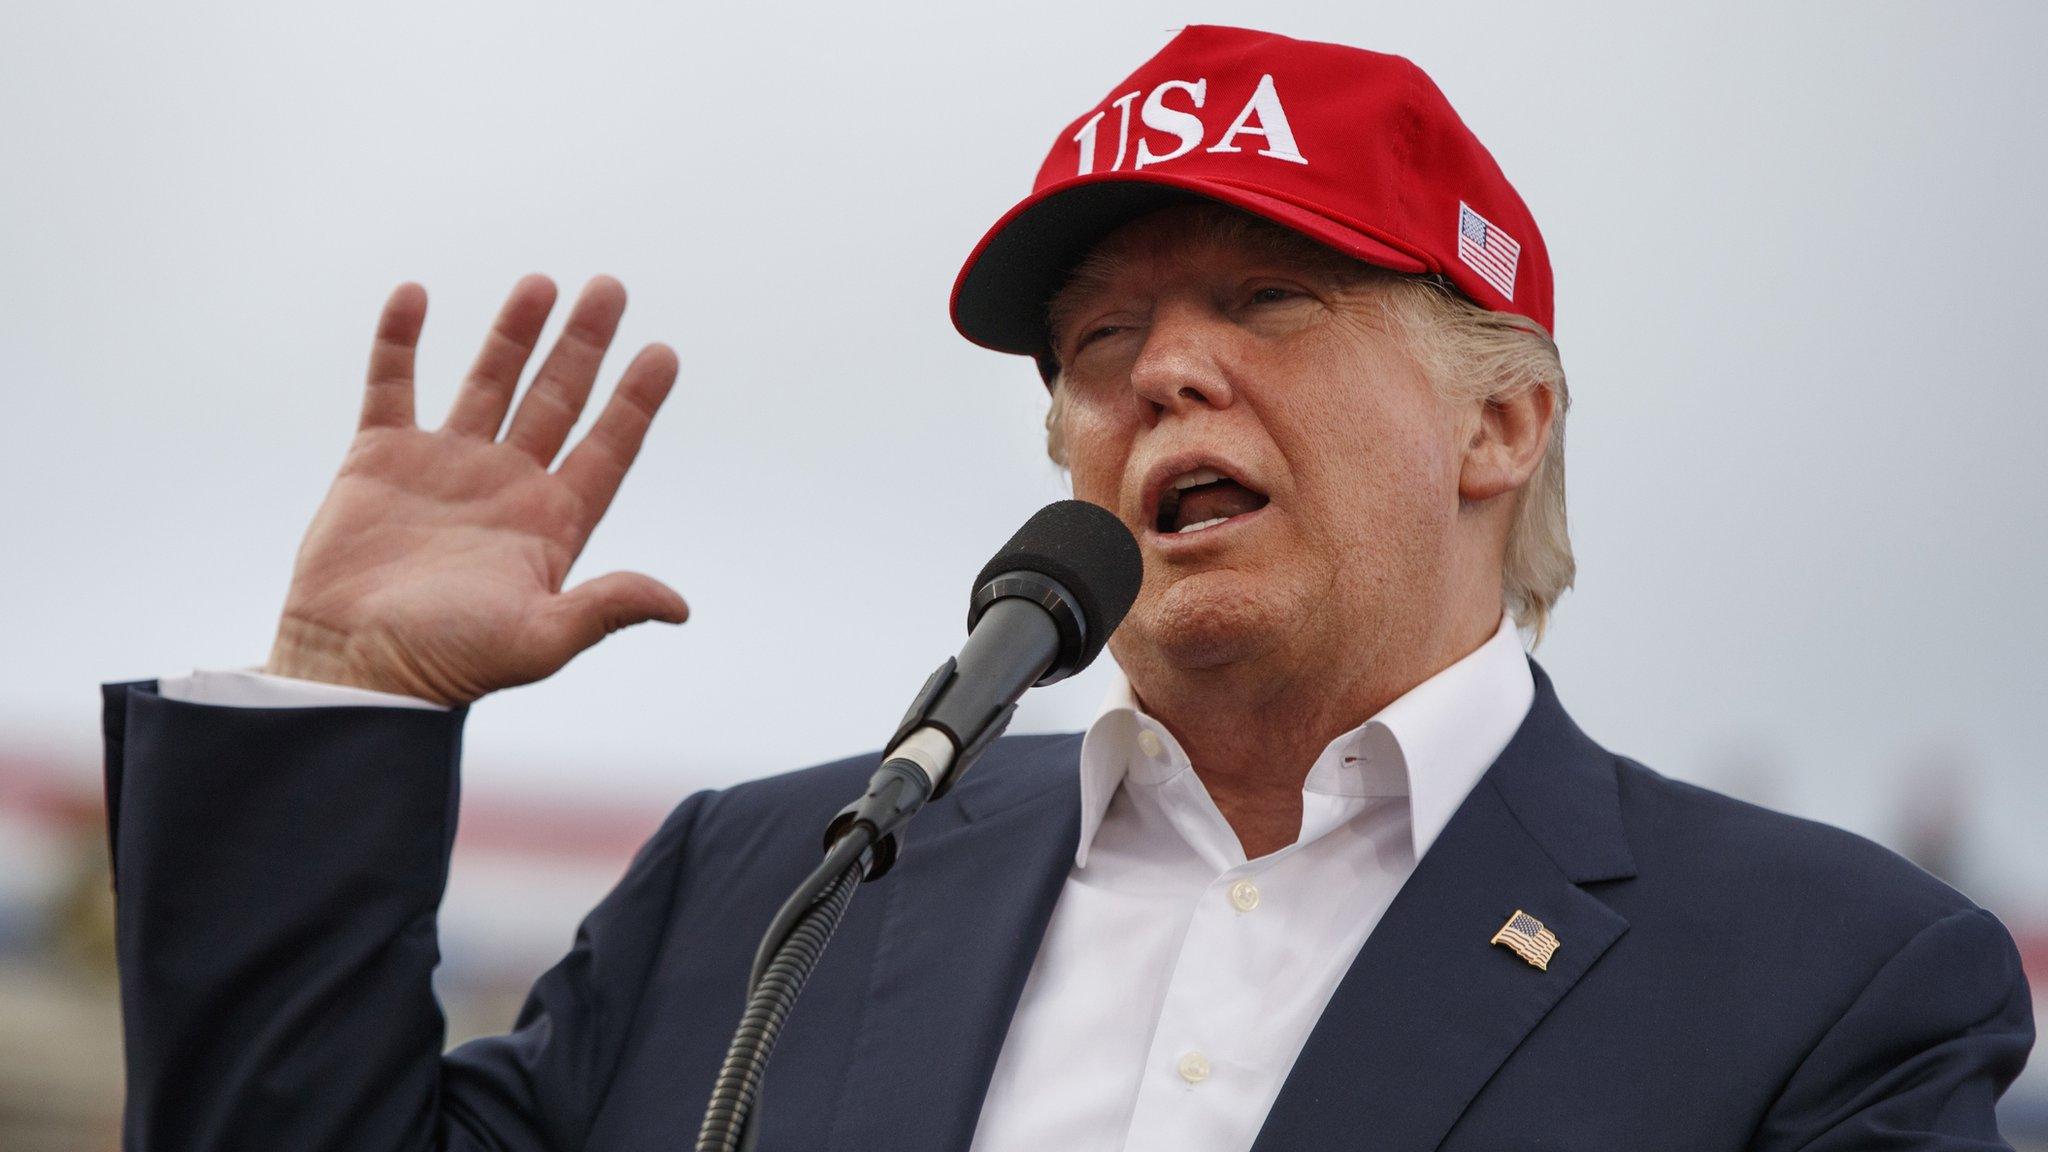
(1799, 254)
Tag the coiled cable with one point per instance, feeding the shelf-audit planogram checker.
(789, 952)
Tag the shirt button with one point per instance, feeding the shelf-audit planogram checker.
(1194, 1068)
(1244, 895)
(1148, 742)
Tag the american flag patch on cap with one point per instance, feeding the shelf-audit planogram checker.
(1489, 251)
(1528, 937)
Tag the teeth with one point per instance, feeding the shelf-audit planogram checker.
(1198, 476)
(1201, 525)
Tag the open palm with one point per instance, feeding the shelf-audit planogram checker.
(434, 568)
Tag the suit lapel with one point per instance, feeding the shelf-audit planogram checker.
(967, 905)
(1429, 1010)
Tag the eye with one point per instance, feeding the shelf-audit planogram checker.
(1093, 334)
(1272, 294)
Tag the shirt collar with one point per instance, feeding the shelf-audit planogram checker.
(1432, 744)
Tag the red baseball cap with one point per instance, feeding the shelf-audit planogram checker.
(1355, 149)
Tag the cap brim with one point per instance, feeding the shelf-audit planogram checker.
(1000, 296)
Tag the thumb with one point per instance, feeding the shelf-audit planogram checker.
(615, 600)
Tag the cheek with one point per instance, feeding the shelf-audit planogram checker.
(1375, 465)
(1098, 444)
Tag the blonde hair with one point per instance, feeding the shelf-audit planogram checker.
(1469, 353)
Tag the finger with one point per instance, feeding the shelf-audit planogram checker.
(387, 396)
(596, 608)
(486, 392)
(594, 468)
(559, 390)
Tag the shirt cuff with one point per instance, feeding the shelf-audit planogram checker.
(251, 688)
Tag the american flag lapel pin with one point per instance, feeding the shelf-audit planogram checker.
(1529, 939)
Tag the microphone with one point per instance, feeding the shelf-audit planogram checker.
(1041, 610)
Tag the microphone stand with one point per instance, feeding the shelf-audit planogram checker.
(861, 843)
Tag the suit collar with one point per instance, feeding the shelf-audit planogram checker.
(1563, 789)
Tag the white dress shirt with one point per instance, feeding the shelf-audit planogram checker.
(252, 688)
(1177, 981)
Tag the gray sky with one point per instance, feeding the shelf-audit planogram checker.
(1799, 254)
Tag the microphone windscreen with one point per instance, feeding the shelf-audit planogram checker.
(1090, 552)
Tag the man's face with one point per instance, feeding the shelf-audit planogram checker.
(1236, 397)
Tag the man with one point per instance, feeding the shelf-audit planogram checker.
(1332, 869)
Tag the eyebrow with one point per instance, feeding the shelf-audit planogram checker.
(1092, 275)
(1220, 225)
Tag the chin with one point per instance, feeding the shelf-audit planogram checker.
(1208, 619)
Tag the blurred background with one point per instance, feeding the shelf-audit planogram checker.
(1799, 257)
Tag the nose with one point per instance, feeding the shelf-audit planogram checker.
(1181, 367)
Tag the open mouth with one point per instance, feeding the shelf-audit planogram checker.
(1203, 498)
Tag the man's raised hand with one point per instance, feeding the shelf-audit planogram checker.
(434, 567)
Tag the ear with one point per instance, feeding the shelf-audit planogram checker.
(1512, 433)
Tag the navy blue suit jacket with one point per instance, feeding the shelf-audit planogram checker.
(1728, 977)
